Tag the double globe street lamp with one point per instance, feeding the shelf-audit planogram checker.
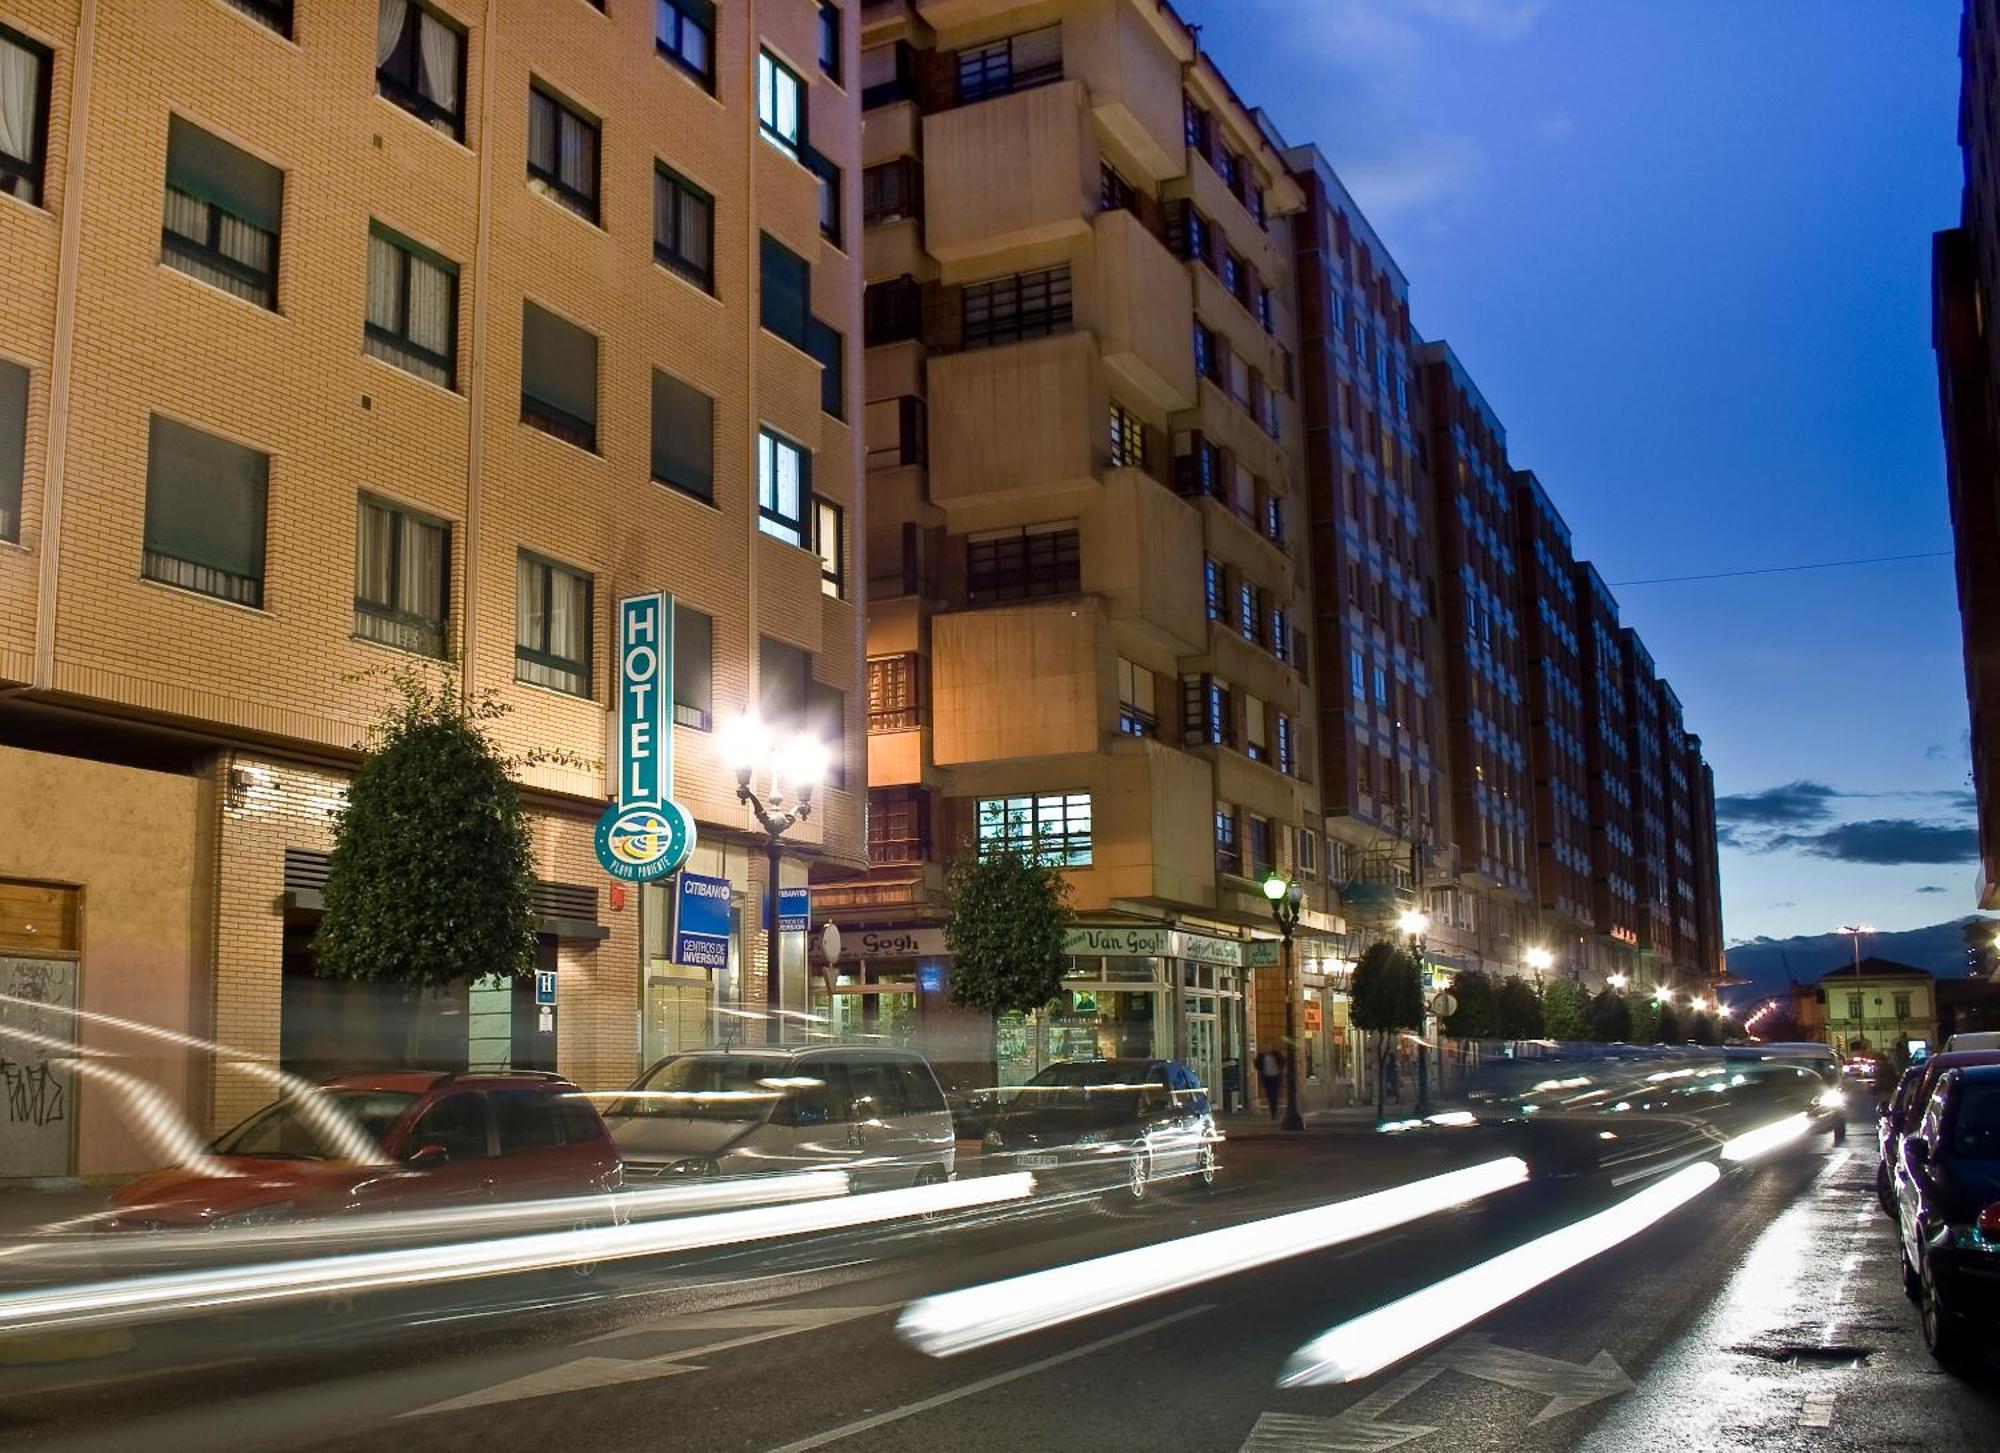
(794, 767)
(1416, 924)
(1287, 897)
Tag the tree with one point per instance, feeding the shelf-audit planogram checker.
(1610, 1018)
(1644, 1014)
(1520, 1009)
(1566, 1010)
(432, 879)
(1476, 1017)
(1668, 1028)
(1007, 917)
(1388, 996)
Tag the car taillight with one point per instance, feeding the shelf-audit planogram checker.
(1989, 1222)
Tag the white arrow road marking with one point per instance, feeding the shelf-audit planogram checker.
(583, 1373)
(1568, 1385)
(1360, 1427)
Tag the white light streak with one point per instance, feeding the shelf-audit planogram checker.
(976, 1316)
(1369, 1343)
(1766, 1139)
(137, 1299)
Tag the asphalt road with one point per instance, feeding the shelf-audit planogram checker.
(1765, 1314)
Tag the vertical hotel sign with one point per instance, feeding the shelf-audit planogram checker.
(645, 834)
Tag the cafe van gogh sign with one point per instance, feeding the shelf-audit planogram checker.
(645, 835)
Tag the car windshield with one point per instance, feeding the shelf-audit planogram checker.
(308, 1127)
(709, 1087)
(1976, 1132)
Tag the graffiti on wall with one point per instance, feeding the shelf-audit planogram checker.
(36, 1082)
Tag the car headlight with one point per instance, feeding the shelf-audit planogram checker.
(266, 1215)
(993, 1141)
(695, 1165)
(1833, 1099)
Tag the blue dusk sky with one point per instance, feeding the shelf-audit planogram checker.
(1684, 248)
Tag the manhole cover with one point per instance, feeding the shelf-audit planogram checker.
(1816, 1354)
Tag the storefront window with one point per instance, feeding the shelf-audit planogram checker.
(678, 1000)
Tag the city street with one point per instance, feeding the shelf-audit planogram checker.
(1765, 1314)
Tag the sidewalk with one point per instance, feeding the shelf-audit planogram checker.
(28, 1206)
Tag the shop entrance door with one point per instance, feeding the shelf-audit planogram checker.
(1204, 1046)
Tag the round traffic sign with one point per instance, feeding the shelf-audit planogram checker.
(1445, 1004)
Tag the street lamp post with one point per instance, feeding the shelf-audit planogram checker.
(1415, 923)
(797, 767)
(1286, 897)
(1854, 932)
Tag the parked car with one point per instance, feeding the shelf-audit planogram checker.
(1976, 1039)
(1907, 1105)
(445, 1140)
(1948, 1210)
(876, 1113)
(1123, 1125)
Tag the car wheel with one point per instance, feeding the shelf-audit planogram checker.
(1945, 1332)
(1885, 1193)
(1139, 1175)
(931, 1175)
(1912, 1287)
(1204, 1166)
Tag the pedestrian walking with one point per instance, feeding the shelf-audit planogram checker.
(1270, 1070)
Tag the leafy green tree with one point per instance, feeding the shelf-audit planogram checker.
(1006, 918)
(1520, 1009)
(1476, 1016)
(1565, 1010)
(432, 879)
(1669, 1029)
(1644, 1014)
(1388, 995)
(1610, 1018)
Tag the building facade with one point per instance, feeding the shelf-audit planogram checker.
(1089, 624)
(389, 333)
(1965, 280)
(1879, 1006)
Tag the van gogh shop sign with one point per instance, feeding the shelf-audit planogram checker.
(645, 835)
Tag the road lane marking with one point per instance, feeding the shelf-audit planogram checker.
(1818, 1410)
(999, 1379)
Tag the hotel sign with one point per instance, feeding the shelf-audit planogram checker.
(645, 835)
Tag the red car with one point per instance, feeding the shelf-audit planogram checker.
(445, 1140)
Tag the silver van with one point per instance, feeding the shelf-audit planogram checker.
(877, 1114)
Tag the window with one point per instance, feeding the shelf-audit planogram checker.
(683, 437)
(562, 154)
(420, 64)
(271, 14)
(1024, 563)
(826, 346)
(694, 668)
(784, 683)
(222, 213)
(24, 115)
(1357, 675)
(683, 228)
(894, 704)
(1128, 439)
(1306, 855)
(828, 524)
(1264, 308)
(829, 193)
(886, 75)
(1137, 713)
(401, 584)
(684, 33)
(1262, 861)
(1212, 586)
(1233, 274)
(895, 430)
(1274, 519)
(1278, 628)
(1052, 828)
(1114, 193)
(1255, 744)
(826, 721)
(1188, 234)
(1228, 851)
(13, 446)
(784, 481)
(1854, 1006)
(1249, 611)
(785, 291)
(898, 825)
(1902, 1006)
(558, 377)
(889, 192)
(829, 40)
(1381, 687)
(412, 308)
(1017, 63)
(525, 1120)
(205, 504)
(892, 311)
(1207, 353)
(1196, 126)
(780, 104)
(552, 620)
(1026, 305)
(1283, 743)
(458, 1123)
(1208, 712)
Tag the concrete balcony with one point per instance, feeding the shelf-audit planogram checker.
(1021, 419)
(1020, 681)
(888, 132)
(1143, 311)
(1129, 57)
(1142, 555)
(1012, 172)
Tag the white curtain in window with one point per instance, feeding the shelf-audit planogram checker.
(430, 306)
(371, 570)
(788, 483)
(20, 81)
(389, 28)
(246, 244)
(187, 215)
(439, 44)
(576, 165)
(541, 132)
(528, 605)
(566, 617)
(422, 565)
(384, 263)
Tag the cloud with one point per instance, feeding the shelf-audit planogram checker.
(1932, 888)
(1414, 172)
(1556, 126)
(1795, 804)
(1884, 842)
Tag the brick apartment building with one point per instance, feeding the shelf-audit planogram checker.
(389, 330)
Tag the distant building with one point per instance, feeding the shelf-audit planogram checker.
(1878, 1005)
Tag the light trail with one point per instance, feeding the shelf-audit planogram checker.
(148, 1298)
(1370, 1342)
(976, 1316)
(1765, 1139)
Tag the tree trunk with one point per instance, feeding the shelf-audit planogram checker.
(1382, 1077)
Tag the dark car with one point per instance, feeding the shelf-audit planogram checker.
(1900, 1111)
(1948, 1210)
(385, 1142)
(1122, 1125)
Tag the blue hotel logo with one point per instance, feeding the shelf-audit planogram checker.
(645, 835)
